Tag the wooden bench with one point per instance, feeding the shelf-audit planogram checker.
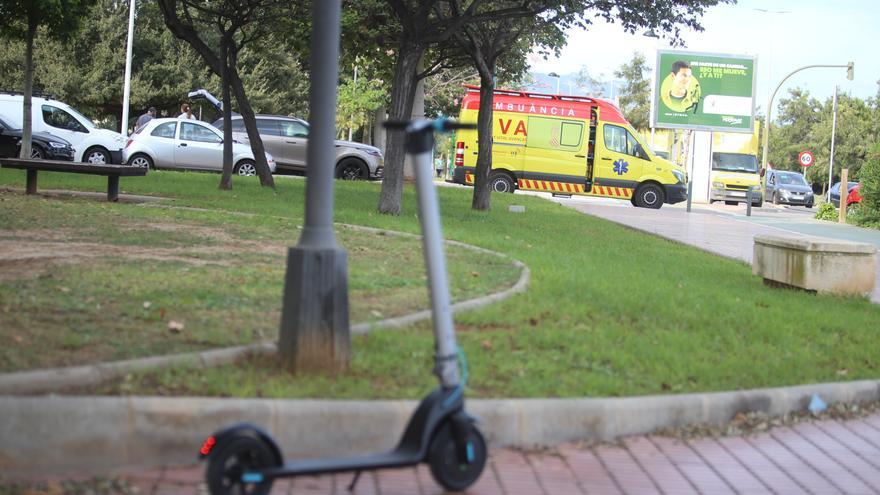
(113, 172)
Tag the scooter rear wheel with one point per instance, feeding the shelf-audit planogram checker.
(239, 455)
(448, 470)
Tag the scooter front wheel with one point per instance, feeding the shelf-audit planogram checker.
(449, 471)
(240, 454)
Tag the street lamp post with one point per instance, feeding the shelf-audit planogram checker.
(553, 74)
(126, 92)
(849, 75)
(314, 334)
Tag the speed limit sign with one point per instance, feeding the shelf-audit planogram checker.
(805, 158)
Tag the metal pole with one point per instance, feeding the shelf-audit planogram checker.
(320, 155)
(768, 119)
(315, 331)
(833, 130)
(690, 156)
(126, 92)
(749, 201)
(709, 176)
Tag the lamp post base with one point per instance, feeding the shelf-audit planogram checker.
(314, 320)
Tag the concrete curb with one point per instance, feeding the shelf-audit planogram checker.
(63, 435)
(58, 379)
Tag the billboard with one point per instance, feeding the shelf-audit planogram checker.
(704, 91)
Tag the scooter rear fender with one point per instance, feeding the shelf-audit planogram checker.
(216, 441)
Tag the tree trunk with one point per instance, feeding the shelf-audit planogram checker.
(250, 123)
(226, 178)
(26, 119)
(418, 112)
(482, 191)
(402, 93)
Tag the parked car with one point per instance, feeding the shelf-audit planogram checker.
(186, 144)
(90, 144)
(788, 188)
(834, 193)
(854, 195)
(43, 144)
(287, 138)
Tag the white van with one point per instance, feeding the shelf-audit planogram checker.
(90, 144)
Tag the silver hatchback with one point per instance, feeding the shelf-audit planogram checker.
(186, 144)
(287, 138)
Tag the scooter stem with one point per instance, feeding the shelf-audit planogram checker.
(420, 144)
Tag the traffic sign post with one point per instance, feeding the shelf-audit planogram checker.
(805, 158)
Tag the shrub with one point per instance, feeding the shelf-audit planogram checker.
(870, 180)
(826, 211)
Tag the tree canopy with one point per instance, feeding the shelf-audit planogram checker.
(635, 96)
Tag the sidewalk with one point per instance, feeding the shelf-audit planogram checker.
(812, 457)
(722, 230)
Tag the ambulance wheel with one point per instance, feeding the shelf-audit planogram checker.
(731, 203)
(450, 472)
(239, 455)
(501, 182)
(648, 196)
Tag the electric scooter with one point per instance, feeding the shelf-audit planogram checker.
(243, 458)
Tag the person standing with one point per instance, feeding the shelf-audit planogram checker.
(186, 112)
(146, 117)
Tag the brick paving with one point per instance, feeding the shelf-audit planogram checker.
(817, 457)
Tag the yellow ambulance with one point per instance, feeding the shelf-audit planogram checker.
(566, 145)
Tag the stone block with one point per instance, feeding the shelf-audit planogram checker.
(816, 264)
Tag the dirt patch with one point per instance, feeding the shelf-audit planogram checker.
(29, 253)
(215, 234)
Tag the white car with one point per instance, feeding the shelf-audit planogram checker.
(186, 144)
(90, 144)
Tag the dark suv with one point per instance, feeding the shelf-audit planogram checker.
(43, 145)
(787, 187)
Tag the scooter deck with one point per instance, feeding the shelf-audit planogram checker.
(393, 459)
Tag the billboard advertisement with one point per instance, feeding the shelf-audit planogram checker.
(704, 91)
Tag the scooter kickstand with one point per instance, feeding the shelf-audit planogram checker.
(357, 475)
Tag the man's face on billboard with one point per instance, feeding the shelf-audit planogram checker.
(680, 81)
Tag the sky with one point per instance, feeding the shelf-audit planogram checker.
(787, 35)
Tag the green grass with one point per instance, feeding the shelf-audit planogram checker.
(609, 311)
(138, 268)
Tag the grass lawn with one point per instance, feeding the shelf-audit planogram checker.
(609, 311)
(82, 281)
